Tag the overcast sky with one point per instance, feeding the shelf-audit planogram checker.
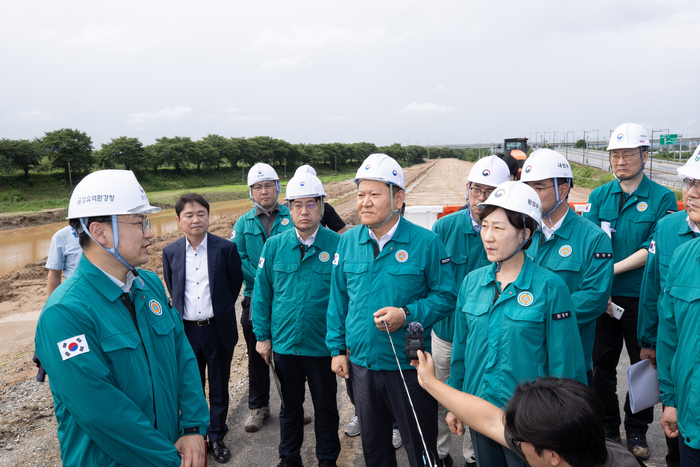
(432, 72)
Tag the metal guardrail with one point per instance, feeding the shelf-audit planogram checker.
(597, 161)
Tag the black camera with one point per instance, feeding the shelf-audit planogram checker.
(414, 340)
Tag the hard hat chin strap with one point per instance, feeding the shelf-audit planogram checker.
(559, 201)
(469, 210)
(115, 241)
(391, 213)
(499, 264)
(278, 187)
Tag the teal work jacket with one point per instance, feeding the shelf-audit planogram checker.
(466, 252)
(671, 232)
(634, 225)
(291, 294)
(678, 343)
(529, 331)
(249, 236)
(580, 253)
(412, 270)
(120, 398)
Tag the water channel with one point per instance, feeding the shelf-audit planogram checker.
(21, 246)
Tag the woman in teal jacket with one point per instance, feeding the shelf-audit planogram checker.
(514, 320)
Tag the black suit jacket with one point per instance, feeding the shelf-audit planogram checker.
(225, 280)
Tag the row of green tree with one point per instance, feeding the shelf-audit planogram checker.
(72, 151)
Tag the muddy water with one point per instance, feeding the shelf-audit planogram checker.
(21, 246)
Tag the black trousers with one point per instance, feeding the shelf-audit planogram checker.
(293, 372)
(258, 372)
(210, 352)
(610, 334)
(380, 398)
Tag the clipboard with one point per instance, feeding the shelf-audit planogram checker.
(278, 385)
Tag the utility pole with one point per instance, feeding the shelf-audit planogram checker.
(242, 171)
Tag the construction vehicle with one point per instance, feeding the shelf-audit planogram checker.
(517, 149)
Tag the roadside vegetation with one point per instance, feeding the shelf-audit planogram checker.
(39, 174)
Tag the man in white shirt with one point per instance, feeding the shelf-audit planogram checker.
(64, 255)
(203, 275)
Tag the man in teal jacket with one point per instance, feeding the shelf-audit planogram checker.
(460, 232)
(109, 322)
(677, 349)
(628, 208)
(289, 320)
(251, 231)
(671, 232)
(576, 250)
(387, 273)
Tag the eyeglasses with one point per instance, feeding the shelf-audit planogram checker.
(689, 183)
(265, 187)
(298, 206)
(145, 224)
(476, 192)
(627, 157)
(541, 189)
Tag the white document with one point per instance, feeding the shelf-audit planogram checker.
(606, 228)
(643, 386)
(617, 310)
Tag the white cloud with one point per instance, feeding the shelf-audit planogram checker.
(284, 63)
(31, 115)
(162, 114)
(248, 118)
(439, 87)
(289, 49)
(415, 107)
(120, 38)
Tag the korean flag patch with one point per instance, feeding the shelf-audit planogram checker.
(261, 262)
(336, 259)
(69, 348)
(652, 247)
(587, 208)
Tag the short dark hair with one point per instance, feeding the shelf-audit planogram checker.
(84, 238)
(515, 219)
(511, 162)
(190, 198)
(562, 415)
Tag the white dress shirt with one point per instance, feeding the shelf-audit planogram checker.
(693, 226)
(309, 241)
(548, 232)
(197, 292)
(386, 237)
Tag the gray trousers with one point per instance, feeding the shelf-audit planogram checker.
(442, 353)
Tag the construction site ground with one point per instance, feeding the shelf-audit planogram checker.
(27, 422)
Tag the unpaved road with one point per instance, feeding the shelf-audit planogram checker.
(28, 426)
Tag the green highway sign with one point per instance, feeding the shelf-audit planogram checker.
(668, 139)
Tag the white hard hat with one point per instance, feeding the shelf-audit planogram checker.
(260, 173)
(382, 168)
(109, 193)
(691, 169)
(516, 197)
(627, 136)
(304, 185)
(544, 164)
(305, 169)
(490, 171)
